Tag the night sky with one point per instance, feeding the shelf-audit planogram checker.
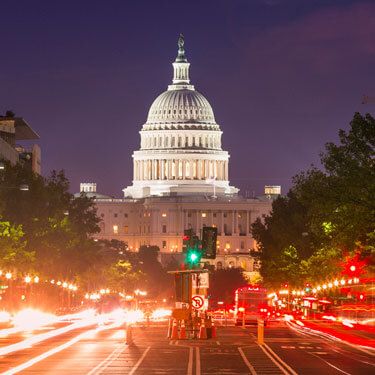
(282, 78)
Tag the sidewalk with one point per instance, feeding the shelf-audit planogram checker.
(357, 334)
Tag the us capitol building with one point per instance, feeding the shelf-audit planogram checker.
(180, 181)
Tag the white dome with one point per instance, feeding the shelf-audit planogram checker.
(181, 106)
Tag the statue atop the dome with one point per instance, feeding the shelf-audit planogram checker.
(181, 41)
(181, 51)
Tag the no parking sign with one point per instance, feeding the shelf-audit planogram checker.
(199, 302)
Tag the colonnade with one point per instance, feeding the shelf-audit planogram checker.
(156, 141)
(177, 169)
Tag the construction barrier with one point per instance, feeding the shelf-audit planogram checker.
(260, 331)
(183, 331)
(129, 335)
(174, 335)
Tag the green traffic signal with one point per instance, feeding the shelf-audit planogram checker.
(193, 257)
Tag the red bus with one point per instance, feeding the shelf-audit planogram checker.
(250, 304)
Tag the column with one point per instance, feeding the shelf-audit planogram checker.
(177, 168)
(162, 169)
(206, 169)
(183, 169)
(247, 223)
(169, 169)
(222, 223)
(226, 170)
(233, 222)
(191, 166)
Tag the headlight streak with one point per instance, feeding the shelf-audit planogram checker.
(61, 347)
(47, 335)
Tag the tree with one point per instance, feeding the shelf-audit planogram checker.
(13, 253)
(56, 225)
(329, 212)
(224, 282)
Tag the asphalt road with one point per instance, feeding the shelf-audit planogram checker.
(102, 350)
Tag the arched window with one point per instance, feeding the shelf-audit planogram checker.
(219, 265)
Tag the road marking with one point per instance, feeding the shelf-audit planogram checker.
(287, 347)
(277, 360)
(190, 363)
(107, 361)
(331, 365)
(57, 349)
(319, 353)
(133, 370)
(218, 343)
(248, 364)
(197, 361)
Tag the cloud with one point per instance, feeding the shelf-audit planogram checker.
(326, 40)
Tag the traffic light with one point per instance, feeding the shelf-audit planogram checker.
(194, 251)
(187, 240)
(209, 239)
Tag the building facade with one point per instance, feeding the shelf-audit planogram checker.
(181, 181)
(12, 131)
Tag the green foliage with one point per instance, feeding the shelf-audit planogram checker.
(326, 213)
(13, 253)
(56, 226)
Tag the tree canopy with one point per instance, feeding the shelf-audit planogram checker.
(328, 213)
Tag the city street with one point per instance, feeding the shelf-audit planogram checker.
(102, 350)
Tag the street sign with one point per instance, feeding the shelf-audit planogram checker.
(198, 302)
(200, 280)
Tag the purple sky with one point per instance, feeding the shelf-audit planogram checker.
(281, 75)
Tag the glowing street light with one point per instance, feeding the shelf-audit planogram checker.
(8, 275)
(27, 279)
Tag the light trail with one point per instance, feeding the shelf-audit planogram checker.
(61, 347)
(23, 315)
(27, 343)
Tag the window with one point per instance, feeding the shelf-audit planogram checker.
(242, 245)
(204, 214)
(227, 245)
(115, 229)
(126, 229)
(164, 244)
(189, 214)
(164, 214)
(219, 265)
(114, 215)
(225, 214)
(125, 215)
(164, 228)
(214, 214)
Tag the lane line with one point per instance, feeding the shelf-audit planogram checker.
(330, 364)
(248, 364)
(190, 363)
(134, 369)
(55, 350)
(276, 363)
(197, 361)
(107, 361)
(280, 360)
(327, 337)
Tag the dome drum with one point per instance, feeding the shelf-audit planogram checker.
(180, 149)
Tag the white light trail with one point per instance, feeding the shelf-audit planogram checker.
(60, 348)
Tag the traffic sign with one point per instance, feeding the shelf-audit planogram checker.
(197, 302)
(200, 280)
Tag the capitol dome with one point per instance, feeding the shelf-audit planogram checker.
(180, 151)
(181, 106)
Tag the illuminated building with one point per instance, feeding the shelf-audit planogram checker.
(181, 181)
